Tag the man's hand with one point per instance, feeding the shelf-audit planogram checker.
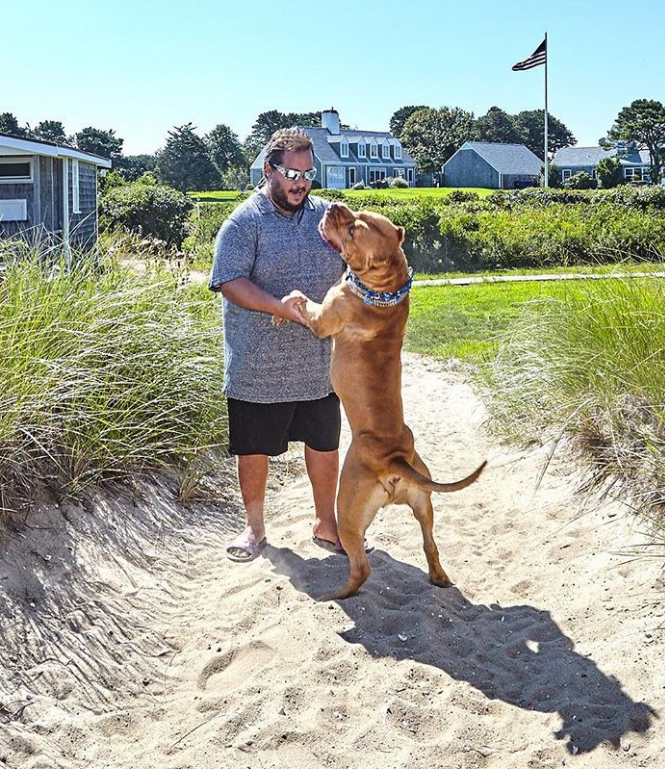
(290, 307)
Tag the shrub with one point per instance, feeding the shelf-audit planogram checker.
(579, 181)
(149, 210)
(359, 185)
(609, 173)
(398, 181)
(553, 176)
(461, 196)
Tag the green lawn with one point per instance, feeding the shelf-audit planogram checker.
(467, 322)
(226, 196)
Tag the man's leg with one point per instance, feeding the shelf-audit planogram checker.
(252, 477)
(323, 471)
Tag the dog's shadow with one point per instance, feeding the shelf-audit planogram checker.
(517, 654)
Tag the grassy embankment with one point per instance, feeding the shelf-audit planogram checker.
(105, 373)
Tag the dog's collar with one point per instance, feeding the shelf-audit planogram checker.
(377, 298)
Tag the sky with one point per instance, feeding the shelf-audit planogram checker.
(141, 67)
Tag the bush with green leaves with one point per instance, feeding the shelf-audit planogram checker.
(147, 209)
(579, 181)
(398, 182)
(609, 173)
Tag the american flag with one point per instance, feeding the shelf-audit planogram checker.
(538, 57)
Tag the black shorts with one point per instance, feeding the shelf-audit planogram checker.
(267, 428)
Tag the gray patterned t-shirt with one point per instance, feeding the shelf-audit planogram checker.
(265, 363)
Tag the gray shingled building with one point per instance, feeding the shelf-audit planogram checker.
(48, 190)
(492, 165)
(635, 164)
(343, 157)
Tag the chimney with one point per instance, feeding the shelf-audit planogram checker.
(330, 120)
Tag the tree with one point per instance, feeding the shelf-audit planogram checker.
(609, 173)
(498, 126)
(133, 167)
(531, 125)
(225, 149)
(184, 162)
(103, 143)
(9, 125)
(432, 136)
(643, 121)
(400, 117)
(554, 179)
(268, 122)
(51, 131)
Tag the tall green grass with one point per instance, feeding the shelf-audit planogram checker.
(104, 372)
(591, 364)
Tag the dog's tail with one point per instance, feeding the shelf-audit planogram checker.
(399, 466)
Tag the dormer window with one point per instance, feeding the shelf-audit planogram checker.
(344, 148)
(385, 151)
(398, 151)
(374, 149)
(362, 149)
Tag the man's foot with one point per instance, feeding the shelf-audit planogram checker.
(245, 547)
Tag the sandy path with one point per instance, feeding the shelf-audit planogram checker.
(546, 653)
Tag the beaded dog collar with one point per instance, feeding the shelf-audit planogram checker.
(377, 298)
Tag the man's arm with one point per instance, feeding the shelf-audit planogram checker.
(244, 293)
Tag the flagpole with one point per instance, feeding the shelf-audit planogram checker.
(547, 162)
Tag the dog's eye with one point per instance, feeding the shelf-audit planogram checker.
(352, 229)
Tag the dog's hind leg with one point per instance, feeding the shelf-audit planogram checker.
(420, 501)
(360, 496)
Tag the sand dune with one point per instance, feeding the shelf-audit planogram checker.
(130, 642)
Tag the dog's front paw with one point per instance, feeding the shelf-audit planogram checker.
(278, 321)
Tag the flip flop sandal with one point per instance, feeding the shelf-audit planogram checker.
(249, 550)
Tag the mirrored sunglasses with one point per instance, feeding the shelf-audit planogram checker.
(292, 175)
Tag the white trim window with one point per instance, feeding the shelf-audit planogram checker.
(385, 150)
(76, 187)
(409, 175)
(362, 149)
(566, 173)
(352, 176)
(16, 170)
(374, 149)
(398, 151)
(344, 148)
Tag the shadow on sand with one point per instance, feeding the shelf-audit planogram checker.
(517, 654)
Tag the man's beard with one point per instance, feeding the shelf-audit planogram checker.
(281, 199)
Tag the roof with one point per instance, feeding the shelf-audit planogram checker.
(583, 157)
(504, 158)
(326, 148)
(11, 145)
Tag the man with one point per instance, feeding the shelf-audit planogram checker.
(277, 379)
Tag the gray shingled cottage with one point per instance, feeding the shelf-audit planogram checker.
(343, 157)
(493, 165)
(48, 190)
(635, 164)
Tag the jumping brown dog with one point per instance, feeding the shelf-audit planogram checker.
(366, 314)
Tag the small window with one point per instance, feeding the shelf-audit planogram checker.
(352, 176)
(14, 169)
(385, 151)
(566, 173)
(374, 150)
(409, 175)
(398, 152)
(362, 149)
(344, 148)
(76, 189)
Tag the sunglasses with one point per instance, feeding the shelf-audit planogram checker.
(292, 175)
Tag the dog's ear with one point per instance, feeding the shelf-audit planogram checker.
(400, 235)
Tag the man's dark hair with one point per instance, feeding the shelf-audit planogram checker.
(286, 140)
